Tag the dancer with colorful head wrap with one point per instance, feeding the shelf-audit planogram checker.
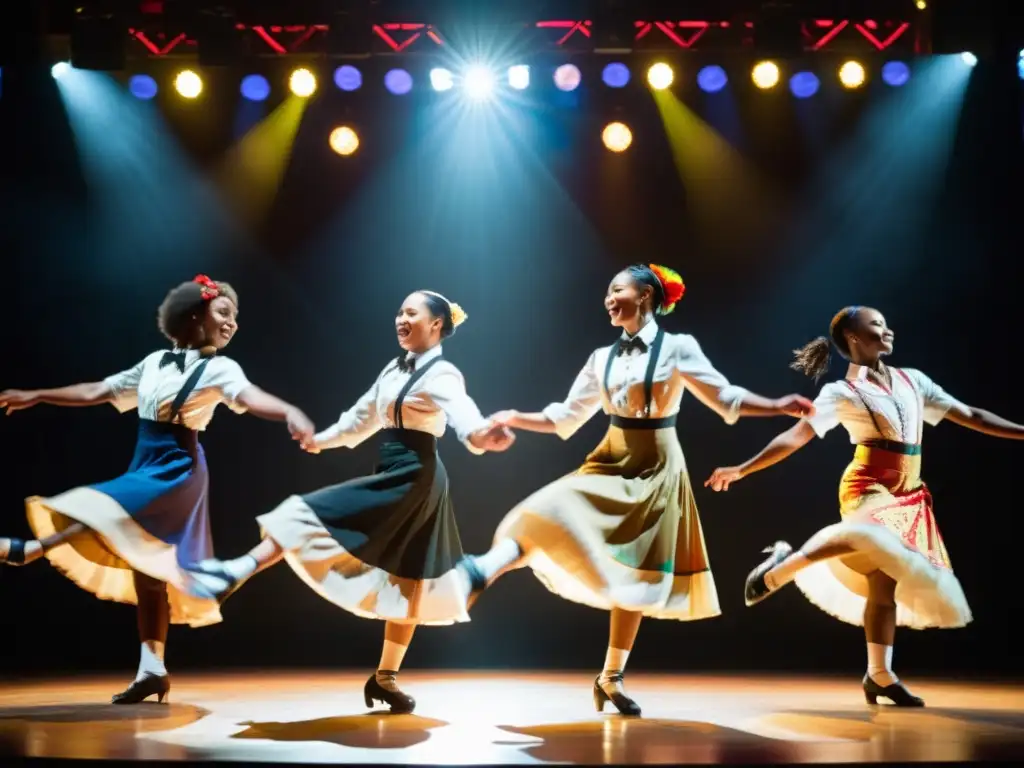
(622, 532)
(133, 539)
(385, 546)
(885, 564)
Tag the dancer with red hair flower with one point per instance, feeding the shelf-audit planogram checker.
(133, 539)
(622, 532)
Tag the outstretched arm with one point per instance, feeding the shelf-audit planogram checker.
(564, 418)
(529, 422)
(267, 406)
(728, 400)
(782, 447)
(75, 395)
(985, 422)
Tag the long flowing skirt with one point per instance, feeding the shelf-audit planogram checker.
(622, 531)
(888, 520)
(383, 546)
(152, 519)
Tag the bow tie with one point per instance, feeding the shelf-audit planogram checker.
(406, 365)
(628, 345)
(178, 358)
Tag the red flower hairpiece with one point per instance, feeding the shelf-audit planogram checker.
(210, 289)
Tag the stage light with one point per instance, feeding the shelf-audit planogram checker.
(615, 75)
(969, 58)
(568, 77)
(765, 75)
(302, 83)
(519, 77)
(660, 76)
(255, 88)
(344, 140)
(895, 73)
(60, 69)
(617, 137)
(712, 79)
(478, 82)
(142, 87)
(921, 5)
(441, 79)
(852, 75)
(1020, 65)
(803, 85)
(188, 84)
(348, 78)
(398, 81)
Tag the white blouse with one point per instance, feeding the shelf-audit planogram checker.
(900, 413)
(152, 388)
(681, 364)
(439, 398)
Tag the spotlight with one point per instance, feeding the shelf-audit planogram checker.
(803, 85)
(895, 73)
(142, 86)
(188, 84)
(921, 5)
(398, 81)
(348, 78)
(519, 77)
(617, 137)
(60, 69)
(969, 58)
(344, 140)
(302, 83)
(765, 75)
(568, 77)
(255, 88)
(615, 75)
(712, 79)
(478, 82)
(1020, 66)
(441, 79)
(660, 76)
(852, 75)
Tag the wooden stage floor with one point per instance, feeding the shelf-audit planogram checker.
(505, 718)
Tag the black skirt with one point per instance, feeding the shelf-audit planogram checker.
(383, 546)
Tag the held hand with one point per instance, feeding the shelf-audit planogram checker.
(504, 418)
(496, 438)
(797, 406)
(723, 477)
(301, 428)
(17, 399)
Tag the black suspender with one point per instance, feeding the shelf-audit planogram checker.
(416, 376)
(186, 390)
(652, 364)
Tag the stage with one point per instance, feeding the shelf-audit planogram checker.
(504, 718)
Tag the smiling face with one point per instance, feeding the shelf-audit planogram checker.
(870, 337)
(416, 326)
(220, 324)
(626, 299)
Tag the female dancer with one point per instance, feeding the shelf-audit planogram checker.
(622, 533)
(385, 546)
(886, 563)
(131, 539)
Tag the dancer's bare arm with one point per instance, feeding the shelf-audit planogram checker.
(783, 446)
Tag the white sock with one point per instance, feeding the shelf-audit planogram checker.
(783, 573)
(614, 662)
(241, 567)
(880, 664)
(151, 660)
(501, 555)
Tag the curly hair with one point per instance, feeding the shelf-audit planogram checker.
(181, 314)
(813, 358)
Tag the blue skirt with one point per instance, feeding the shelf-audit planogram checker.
(152, 519)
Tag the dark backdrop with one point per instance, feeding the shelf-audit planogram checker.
(518, 213)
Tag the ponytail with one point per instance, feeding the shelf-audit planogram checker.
(812, 359)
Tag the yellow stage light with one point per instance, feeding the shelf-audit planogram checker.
(617, 137)
(188, 84)
(302, 83)
(344, 140)
(765, 75)
(852, 75)
(660, 76)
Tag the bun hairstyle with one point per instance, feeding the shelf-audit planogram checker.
(814, 357)
(451, 314)
(181, 314)
(668, 286)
